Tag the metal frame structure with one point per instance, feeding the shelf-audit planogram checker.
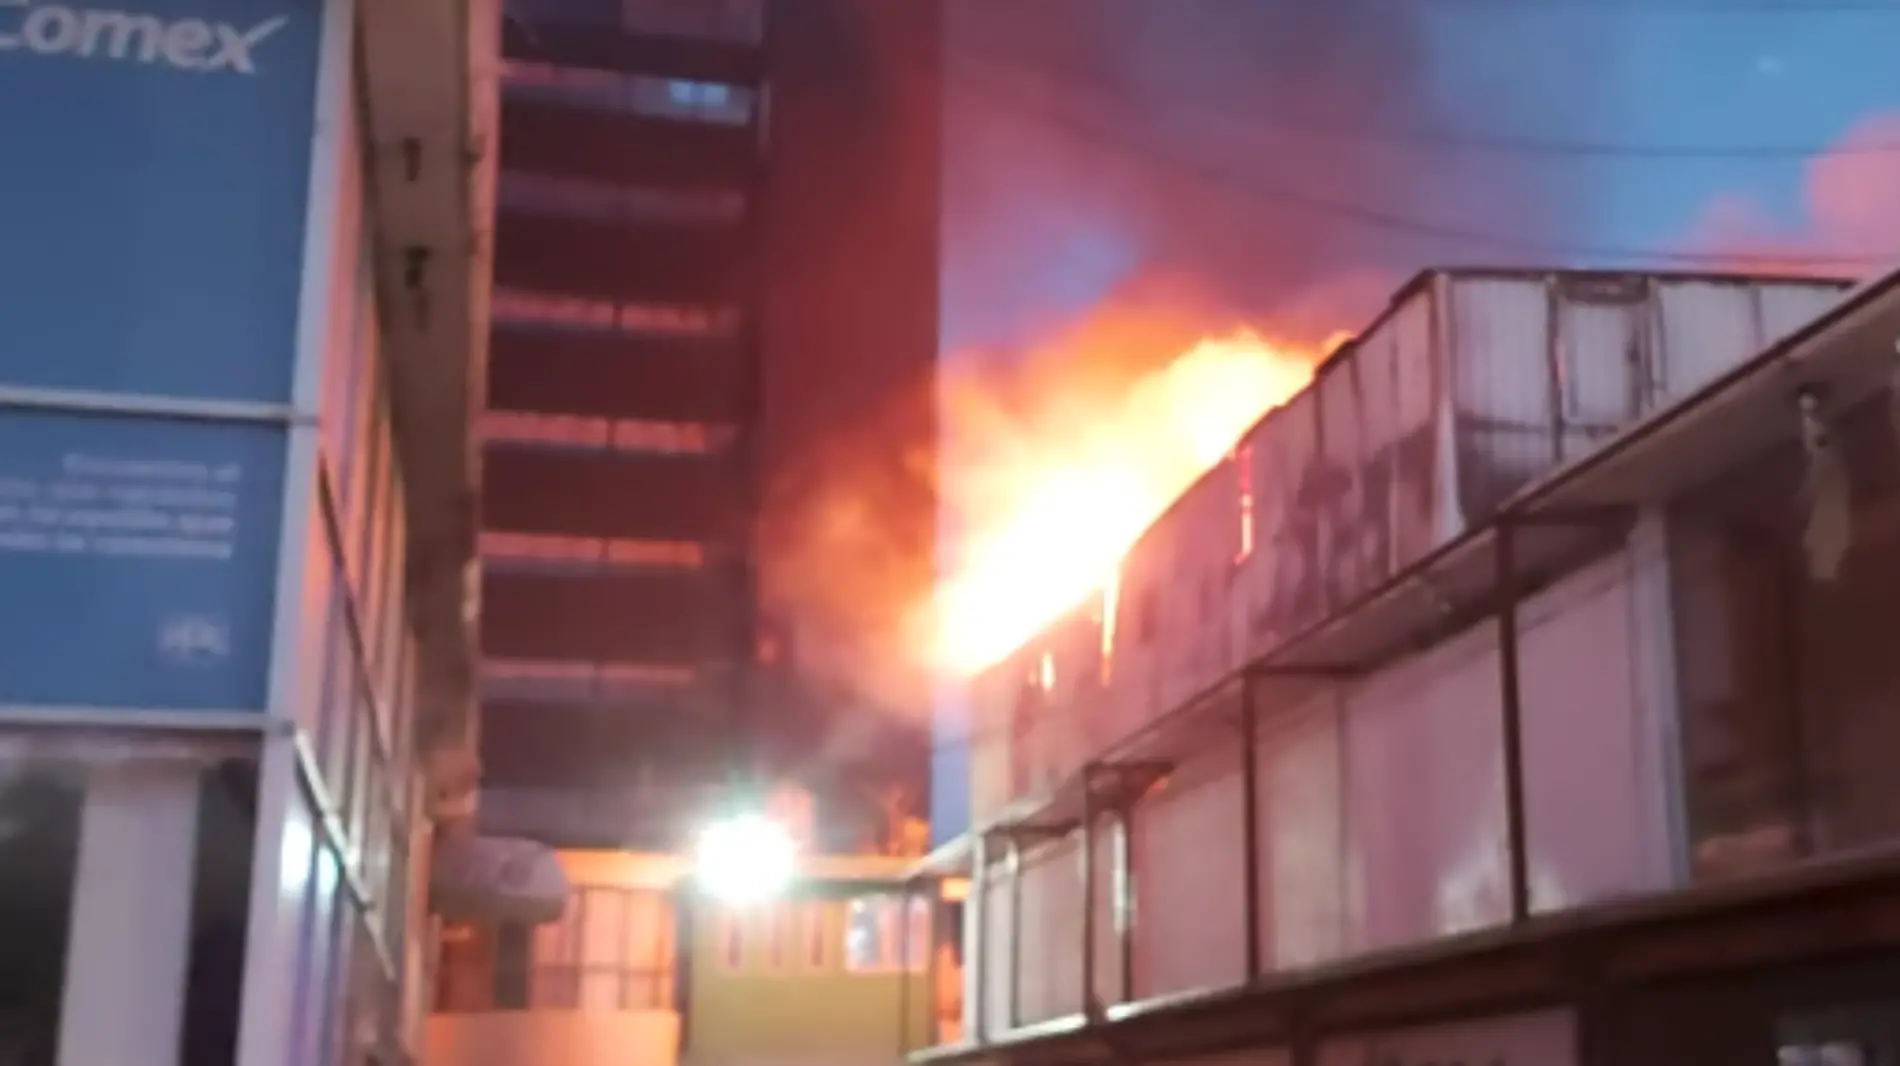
(1579, 513)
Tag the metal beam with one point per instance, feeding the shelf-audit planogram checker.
(1090, 1008)
(979, 948)
(1250, 823)
(1013, 870)
(903, 967)
(1511, 701)
(1124, 891)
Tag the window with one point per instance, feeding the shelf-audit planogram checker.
(880, 936)
(611, 951)
(637, 94)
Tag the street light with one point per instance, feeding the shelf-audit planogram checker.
(745, 858)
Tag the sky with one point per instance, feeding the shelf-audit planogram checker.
(1293, 160)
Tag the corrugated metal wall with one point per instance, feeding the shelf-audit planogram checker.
(1382, 810)
(1472, 385)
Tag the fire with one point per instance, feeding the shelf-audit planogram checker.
(1054, 501)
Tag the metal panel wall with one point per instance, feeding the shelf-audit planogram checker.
(1286, 568)
(1332, 483)
(1051, 961)
(1469, 388)
(1414, 435)
(1189, 891)
(1499, 368)
(1598, 824)
(1301, 801)
(1424, 772)
(1202, 539)
(1708, 326)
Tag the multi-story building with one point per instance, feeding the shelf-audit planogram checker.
(1517, 693)
(242, 283)
(715, 277)
(714, 320)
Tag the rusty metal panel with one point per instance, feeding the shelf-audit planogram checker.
(1201, 536)
(1298, 597)
(1601, 357)
(1706, 327)
(1375, 504)
(1414, 435)
(1139, 662)
(1500, 371)
(1336, 477)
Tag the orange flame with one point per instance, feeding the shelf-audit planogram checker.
(1053, 502)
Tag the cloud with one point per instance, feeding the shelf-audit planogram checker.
(1849, 221)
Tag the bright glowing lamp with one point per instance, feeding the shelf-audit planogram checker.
(745, 858)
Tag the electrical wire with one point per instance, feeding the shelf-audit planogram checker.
(1255, 189)
(1284, 123)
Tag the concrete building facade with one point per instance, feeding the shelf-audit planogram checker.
(243, 265)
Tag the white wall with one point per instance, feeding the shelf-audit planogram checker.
(1381, 805)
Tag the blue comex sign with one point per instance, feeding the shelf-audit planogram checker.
(154, 245)
(188, 44)
(151, 263)
(137, 559)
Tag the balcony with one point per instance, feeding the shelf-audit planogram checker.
(595, 987)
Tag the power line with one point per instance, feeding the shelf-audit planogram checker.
(1252, 188)
(1476, 142)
